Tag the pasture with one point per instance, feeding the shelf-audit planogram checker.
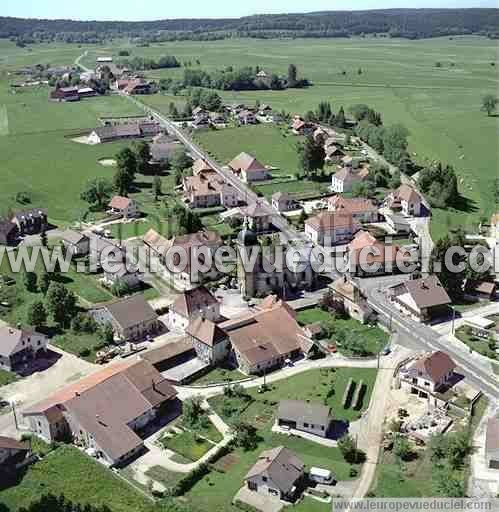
(438, 103)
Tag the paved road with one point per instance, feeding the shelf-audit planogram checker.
(477, 371)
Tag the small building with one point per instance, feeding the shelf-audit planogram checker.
(481, 327)
(428, 374)
(110, 133)
(344, 179)
(329, 228)
(9, 232)
(305, 416)
(492, 444)
(301, 127)
(246, 117)
(422, 299)
(208, 189)
(12, 452)
(190, 304)
(398, 223)
(76, 243)
(65, 94)
(283, 202)
(406, 200)
(248, 168)
(257, 217)
(348, 292)
(18, 347)
(367, 256)
(362, 209)
(481, 290)
(31, 222)
(124, 207)
(334, 154)
(162, 148)
(132, 318)
(138, 86)
(182, 273)
(102, 60)
(86, 92)
(277, 473)
(211, 343)
(321, 476)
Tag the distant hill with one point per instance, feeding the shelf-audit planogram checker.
(407, 23)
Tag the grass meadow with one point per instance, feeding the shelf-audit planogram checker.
(440, 105)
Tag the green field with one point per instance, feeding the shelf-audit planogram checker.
(439, 105)
(67, 471)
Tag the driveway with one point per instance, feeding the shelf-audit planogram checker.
(258, 501)
(38, 386)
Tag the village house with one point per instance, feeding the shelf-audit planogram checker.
(329, 228)
(277, 473)
(182, 274)
(162, 148)
(31, 222)
(422, 299)
(265, 339)
(405, 200)
(9, 232)
(123, 206)
(246, 117)
(301, 127)
(12, 452)
(120, 270)
(19, 347)
(283, 202)
(171, 356)
(345, 290)
(65, 94)
(136, 86)
(76, 243)
(208, 189)
(480, 290)
(210, 342)
(189, 305)
(344, 179)
(132, 318)
(305, 416)
(492, 444)
(106, 413)
(398, 223)
(201, 122)
(334, 154)
(427, 374)
(367, 256)
(248, 168)
(320, 135)
(363, 210)
(201, 166)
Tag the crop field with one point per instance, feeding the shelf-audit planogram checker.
(440, 105)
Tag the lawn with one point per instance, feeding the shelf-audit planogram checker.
(310, 505)
(313, 385)
(480, 345)
(373, 337)
(217, 375)
(187, 444)
(67, 471)
(7, 377)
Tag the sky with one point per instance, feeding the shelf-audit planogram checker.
(162, 9)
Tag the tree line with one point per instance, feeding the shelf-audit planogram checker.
(144, 63)
(407, 23)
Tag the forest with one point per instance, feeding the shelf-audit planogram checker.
(406, 23)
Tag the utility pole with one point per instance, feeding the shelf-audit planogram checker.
(13, 404)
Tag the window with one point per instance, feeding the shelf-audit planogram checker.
(305, 425)
(264, 479)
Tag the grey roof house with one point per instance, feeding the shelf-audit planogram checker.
(277, 474)
(305, 416)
